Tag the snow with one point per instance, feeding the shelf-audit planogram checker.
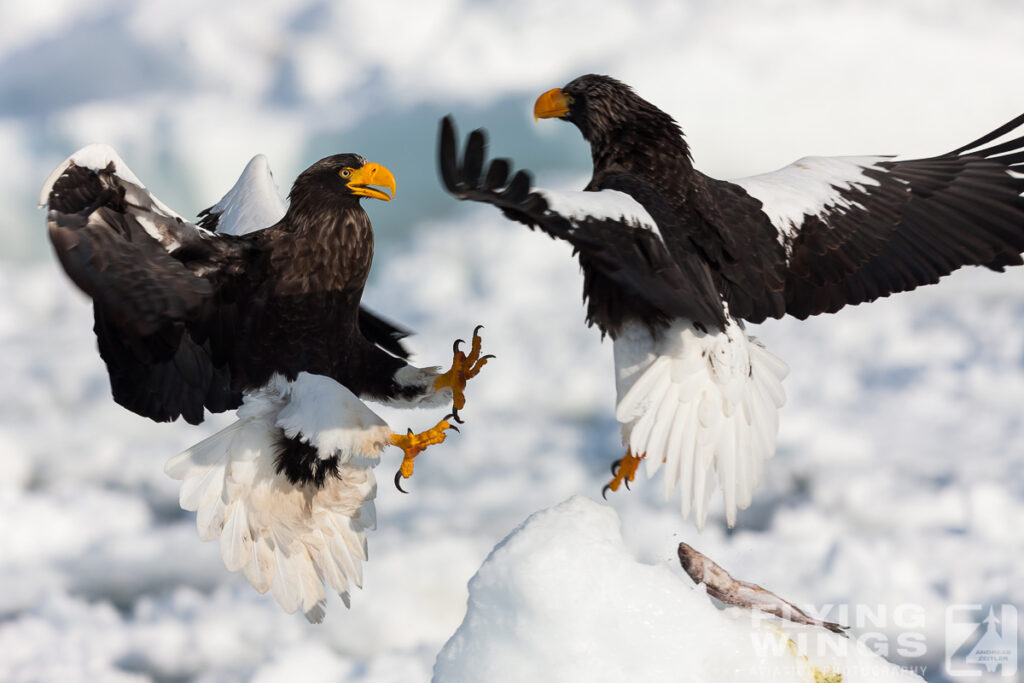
(898, 486)
(898, 480)
(562, 599)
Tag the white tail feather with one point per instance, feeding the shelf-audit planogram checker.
(288, 538)
(703, 403)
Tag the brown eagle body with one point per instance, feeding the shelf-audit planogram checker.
(889, 226)
(256, 307)
(674, 262)
(187, 318)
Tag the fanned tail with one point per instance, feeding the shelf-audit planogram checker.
(289, 538)
(703, 403)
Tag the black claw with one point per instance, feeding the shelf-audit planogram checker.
(455, 416)
(398, 479)
(615, 467)
(455, 346)
(604, 491)
(454, 428)
(626, 482)
(490, 355)
(476, 330)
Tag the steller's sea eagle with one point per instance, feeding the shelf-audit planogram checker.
(256, 308)
(675, 261)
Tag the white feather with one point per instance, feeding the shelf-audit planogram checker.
(637, 399)
(210, 519)
(97, 157)
(288, 539)
(332, 419)
(202, 488)
(261, 566)
(253, 203)
(810, 186)
(236, 538)
(606, 204)
(704, 403)
(656, 444)
(286, 584)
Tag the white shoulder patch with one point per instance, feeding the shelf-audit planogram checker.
(253, 203)
(606, 204)
(809, 186)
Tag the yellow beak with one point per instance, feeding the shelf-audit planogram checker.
(365, 181)
(551, 104)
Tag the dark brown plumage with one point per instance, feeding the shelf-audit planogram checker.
(871, 227)
(675, 261)
(188, 319)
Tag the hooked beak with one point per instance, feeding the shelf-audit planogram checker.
(367, 180)
(552, 104)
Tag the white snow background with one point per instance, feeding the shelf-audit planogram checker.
(898, 488)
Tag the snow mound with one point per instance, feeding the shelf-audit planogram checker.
(562, 599)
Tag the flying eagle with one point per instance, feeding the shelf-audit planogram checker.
(257, 308)
(674, 262)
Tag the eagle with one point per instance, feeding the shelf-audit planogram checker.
(675, 262)
(256, 307)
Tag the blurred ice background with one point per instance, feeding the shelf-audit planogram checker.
(899, 477)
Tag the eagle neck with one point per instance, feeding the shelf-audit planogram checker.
(651, 147)
(324, 248)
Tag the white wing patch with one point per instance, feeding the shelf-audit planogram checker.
(160, 221)
(287, 538)
(704, 404)
(253, 203)
(606, 204)
(97, 157)
(809, 187)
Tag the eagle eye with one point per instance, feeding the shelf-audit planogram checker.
(345, 172)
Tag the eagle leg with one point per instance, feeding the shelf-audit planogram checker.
(414, 444)
(623, 472)
(464, 368)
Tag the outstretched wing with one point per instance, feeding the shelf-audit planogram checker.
(617, 231)
(858, 228)
(166, 293)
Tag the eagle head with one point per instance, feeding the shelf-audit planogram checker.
(596, 104)
(610, 114)
(344, 176)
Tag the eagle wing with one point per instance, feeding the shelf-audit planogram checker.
(855, 229)
(166, 292)
(617, 232)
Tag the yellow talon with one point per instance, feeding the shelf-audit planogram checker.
(464, 368)
(624, 471)
(414, 444)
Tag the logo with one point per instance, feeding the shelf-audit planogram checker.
(978, 644)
